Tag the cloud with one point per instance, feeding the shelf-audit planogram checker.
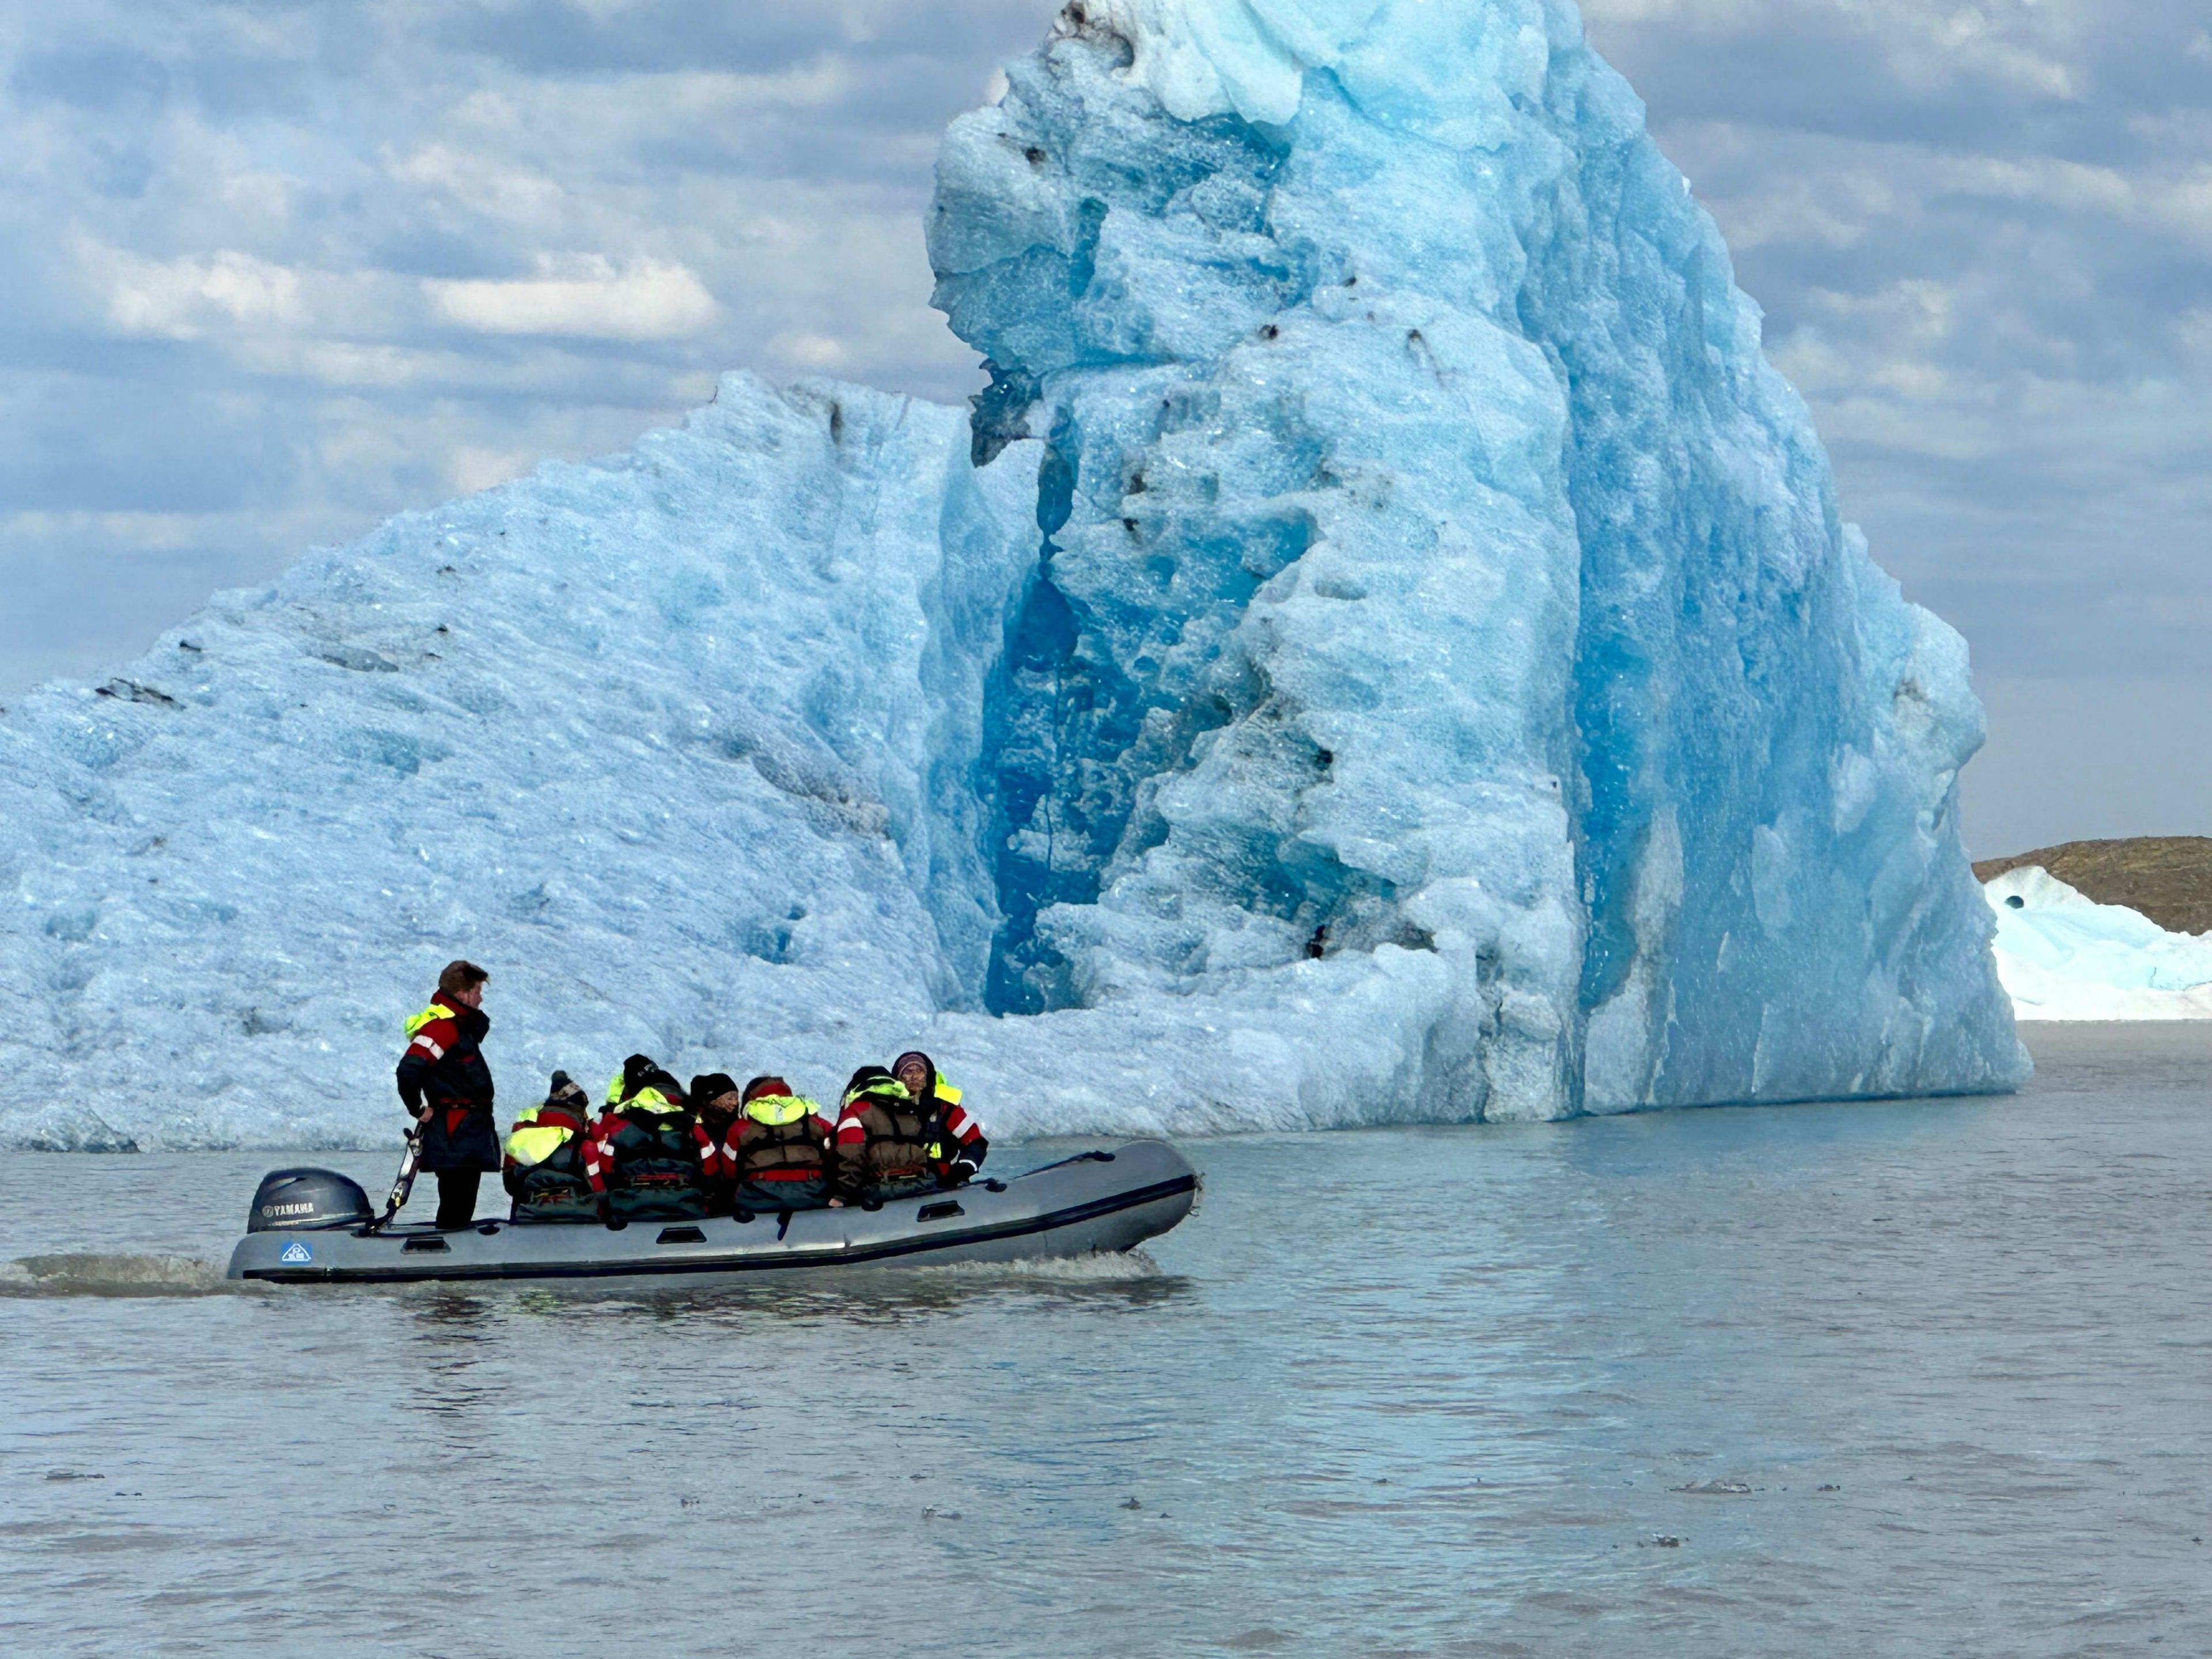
(1925, 47)
(484, 185)
(471, 468)
(275, 272)
(189, 298)
(588, 296)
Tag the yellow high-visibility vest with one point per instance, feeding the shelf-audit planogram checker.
(531, 1144)
(775, 1111)
(889, 1088)
(436, 1010)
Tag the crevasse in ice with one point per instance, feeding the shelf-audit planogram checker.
(1384, 649)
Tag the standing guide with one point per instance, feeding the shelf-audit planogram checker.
(445, 1083)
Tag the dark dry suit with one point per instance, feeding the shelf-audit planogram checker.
(778, 1150)
(545, 1173)
(886, 1145)
(650, 1158)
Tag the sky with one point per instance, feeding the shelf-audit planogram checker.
(276, 271)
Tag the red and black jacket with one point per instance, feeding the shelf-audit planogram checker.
(443, 1078)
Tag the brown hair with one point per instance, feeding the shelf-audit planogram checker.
(461, 976)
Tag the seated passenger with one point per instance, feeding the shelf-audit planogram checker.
(961, 1147)
(648, 1159)
(715, 1099)
(883, 1149)
(714, 1096)
(543, 1171)
(778, 1150)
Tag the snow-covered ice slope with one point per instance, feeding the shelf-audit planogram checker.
(2064, 957)
(678, 745)
(1385, 650)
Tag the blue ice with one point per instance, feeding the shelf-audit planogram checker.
(1383, 648)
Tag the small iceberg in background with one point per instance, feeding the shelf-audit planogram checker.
(2064, 957)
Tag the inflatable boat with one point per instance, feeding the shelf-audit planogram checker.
(315, 1227)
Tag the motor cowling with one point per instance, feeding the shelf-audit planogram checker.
(308, 1201)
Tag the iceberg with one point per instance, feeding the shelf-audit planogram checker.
(2063, 957)
(1383, 648)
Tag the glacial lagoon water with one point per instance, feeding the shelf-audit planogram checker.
(1922, 1378)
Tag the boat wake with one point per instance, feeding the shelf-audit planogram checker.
(113, 1275)
(1100, 1267)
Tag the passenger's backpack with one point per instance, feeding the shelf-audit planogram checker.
(654, 1174)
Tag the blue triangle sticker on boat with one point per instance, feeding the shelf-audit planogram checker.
(295, 1254)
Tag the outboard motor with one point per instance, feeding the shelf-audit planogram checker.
(308, 1201)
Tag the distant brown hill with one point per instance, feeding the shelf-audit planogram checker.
(2167, 877)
